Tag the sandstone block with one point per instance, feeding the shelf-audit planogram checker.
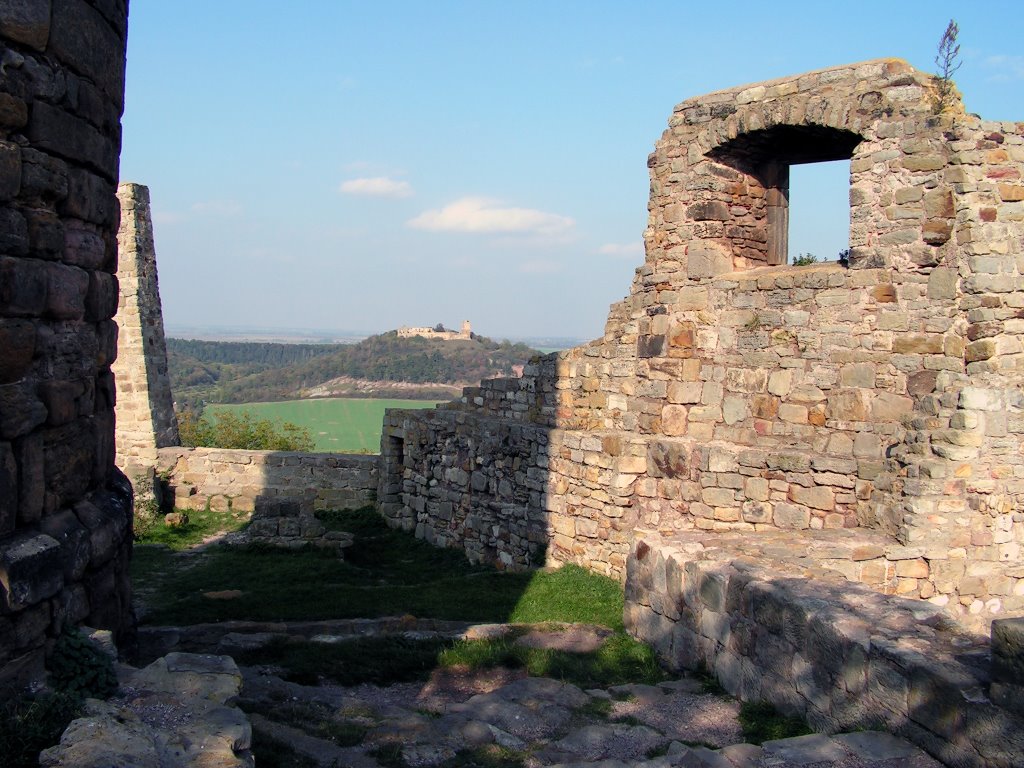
(707, 259)
(849, 404)
(918, 344)
(790, 516)
(818, 497)
(886, 406)
(757, 512)
(30, 570)
(674, 420)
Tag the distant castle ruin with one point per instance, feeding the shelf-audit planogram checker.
(439, 332)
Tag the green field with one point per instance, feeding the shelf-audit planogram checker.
(339, 425)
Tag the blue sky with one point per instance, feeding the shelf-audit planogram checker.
(360, 166)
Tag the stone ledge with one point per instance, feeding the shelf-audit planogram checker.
(813, 644)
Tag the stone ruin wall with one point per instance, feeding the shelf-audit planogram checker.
(145, 409)
(732, 392)
(239, 481)
(65, 511)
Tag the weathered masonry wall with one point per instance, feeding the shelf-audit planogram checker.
(145, 409)
(732, 392)
(838, 654)
(239, 480)
(65, 511)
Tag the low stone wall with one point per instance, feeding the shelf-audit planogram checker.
(223, 479)
(839, 654)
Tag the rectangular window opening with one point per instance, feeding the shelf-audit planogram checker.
(819, 212)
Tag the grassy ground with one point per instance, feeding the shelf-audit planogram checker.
(339, 425)
(387, 573)
(391, 573)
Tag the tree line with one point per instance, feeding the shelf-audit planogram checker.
(246, 372)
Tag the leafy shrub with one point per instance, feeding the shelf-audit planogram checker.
(804, 259)
(78, 668)
(242, 430)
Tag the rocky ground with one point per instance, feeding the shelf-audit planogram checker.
(485, 717)
(186, 710)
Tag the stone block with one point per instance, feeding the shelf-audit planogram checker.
(668, 459)
(67, 288)
(17, 348)
(62, 133)
(1008, 651)
(849, 404)
(791, 516)
(21, 410)
(674, 420)
(23, 286)
(80, 35)
(707, 259)
(30, 570)
(26, 21)
(942, 284)
(918, 344)
(886, 406)
(76, 549)
(10, 170)
(817, 497)
(103, 534)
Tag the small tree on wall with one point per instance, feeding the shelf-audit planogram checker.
(947, 60)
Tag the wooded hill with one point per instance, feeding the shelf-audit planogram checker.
(248, 372)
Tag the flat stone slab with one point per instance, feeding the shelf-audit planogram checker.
(172, 714)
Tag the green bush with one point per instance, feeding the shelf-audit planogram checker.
(79, 668)
(804, 259)
(242, 430)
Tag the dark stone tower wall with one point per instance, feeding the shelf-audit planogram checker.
(65, 511)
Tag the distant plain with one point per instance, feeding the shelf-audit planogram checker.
(337, 425)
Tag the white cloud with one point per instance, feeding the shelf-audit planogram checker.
(377, 186)
(217, 208)
(479, 214)
(622, 250)
(1005, 67)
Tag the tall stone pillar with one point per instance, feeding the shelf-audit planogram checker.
(145, 410)
(65, 509)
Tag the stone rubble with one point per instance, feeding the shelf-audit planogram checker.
(549, 722)
(175, 713)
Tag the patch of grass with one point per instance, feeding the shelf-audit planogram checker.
(30, 724)
(393, 658)
(488, 756)
(596, 708)
(386, 573)
(570, 594)
(201, 524)
(621, 659)
(761, 722)
(314, 719)
(379, 660)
